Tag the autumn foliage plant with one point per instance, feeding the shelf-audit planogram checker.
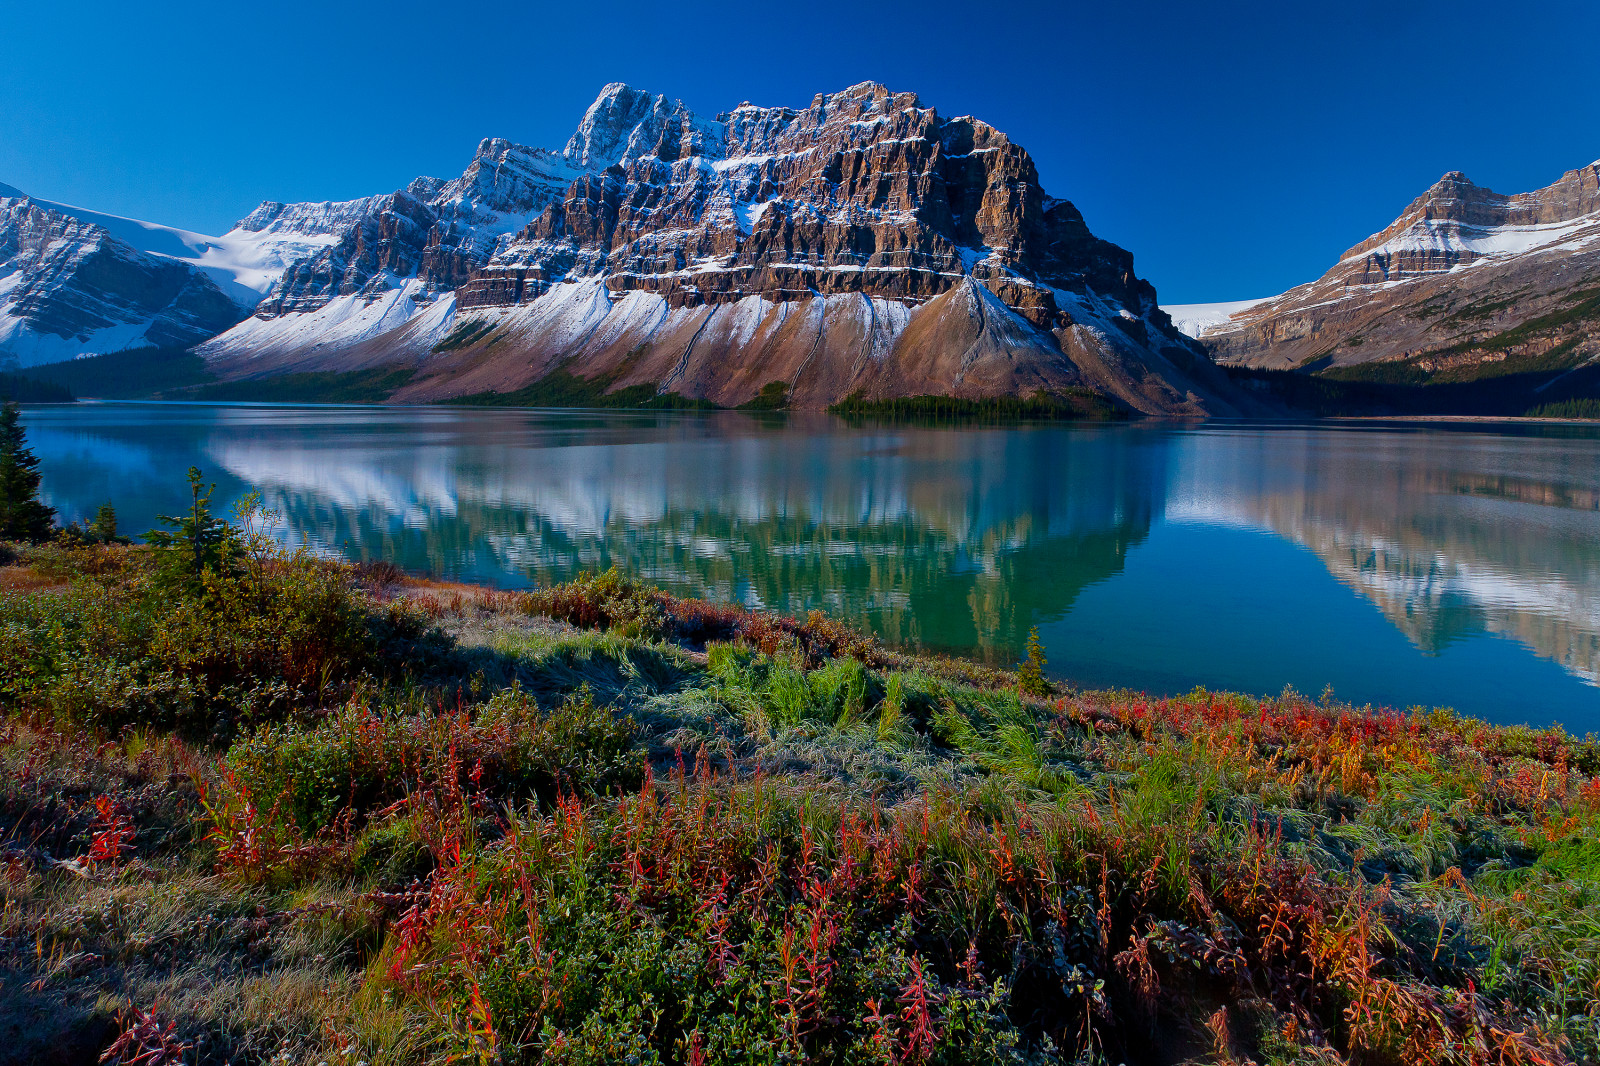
(261, 807)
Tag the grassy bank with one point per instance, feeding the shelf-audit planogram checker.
(267, 808)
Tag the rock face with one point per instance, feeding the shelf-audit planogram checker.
(1466, 283)
(68, 287)
(861, 244)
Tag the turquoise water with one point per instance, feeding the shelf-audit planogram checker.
(1400, 564)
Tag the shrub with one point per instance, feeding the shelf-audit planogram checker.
(361, 759)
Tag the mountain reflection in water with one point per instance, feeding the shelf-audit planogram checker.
(1477, 547)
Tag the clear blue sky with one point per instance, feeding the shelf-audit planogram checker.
(1236, 149)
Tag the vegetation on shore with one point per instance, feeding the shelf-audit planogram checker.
(264, 807)
(136, 374)
(374, 385)
(1062, 405)
(19, 388)
(1589, 408)
(1391, 388)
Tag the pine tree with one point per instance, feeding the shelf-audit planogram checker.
(23, 516)
(198, 543)
(103, 528)
(1030, 672)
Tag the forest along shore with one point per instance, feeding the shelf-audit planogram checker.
(261, 806)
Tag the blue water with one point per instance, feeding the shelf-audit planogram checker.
(1400, 564)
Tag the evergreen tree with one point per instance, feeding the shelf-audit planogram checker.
(103, 528)
(198, 542)
(23, 516)
(1030, 672)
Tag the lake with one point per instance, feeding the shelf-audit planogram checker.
(1399, 564)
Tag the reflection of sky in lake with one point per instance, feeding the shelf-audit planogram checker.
(1400, 564)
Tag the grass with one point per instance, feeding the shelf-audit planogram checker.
(312, 813)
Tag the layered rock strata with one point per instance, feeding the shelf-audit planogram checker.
(1466, 281)
(861, 244)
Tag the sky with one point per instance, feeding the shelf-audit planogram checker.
(1237, 149)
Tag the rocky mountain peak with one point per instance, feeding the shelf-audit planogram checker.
(1466, 281)
(626, 123)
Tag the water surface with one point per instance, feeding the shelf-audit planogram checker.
(1399, 564)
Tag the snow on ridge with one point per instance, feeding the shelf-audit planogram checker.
(28, 347)
(1195, 320)
(1480, 242)
(343, 322)
(243, 263)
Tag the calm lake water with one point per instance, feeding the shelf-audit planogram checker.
(1400, 564)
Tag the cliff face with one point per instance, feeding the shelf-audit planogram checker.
(864, 243)
(68, 287)
(1466, 283)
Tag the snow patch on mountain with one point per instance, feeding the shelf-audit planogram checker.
(1478, 243)
(28, 347)
(345, 321)
(1195, 320)
(244, 264)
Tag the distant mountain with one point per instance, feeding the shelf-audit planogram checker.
(1467, 285)
(75, 282)
(864, 244)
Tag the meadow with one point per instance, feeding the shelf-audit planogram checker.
(270, 808)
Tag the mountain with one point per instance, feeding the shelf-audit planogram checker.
(861, 244)
(74, 282)
(1467, 285)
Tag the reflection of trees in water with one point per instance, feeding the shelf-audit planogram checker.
(1448, 535)
(948, 538)
(945, 544)
(909, 581)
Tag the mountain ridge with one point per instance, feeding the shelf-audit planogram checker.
(861, 244)
(681, 249)
(1465, 285)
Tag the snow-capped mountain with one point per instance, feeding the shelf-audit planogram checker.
(1467, 283)
(861, 244)
(74, 282)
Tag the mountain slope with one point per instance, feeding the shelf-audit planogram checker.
(862, 244)
(1466, 285)
(70, 285)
